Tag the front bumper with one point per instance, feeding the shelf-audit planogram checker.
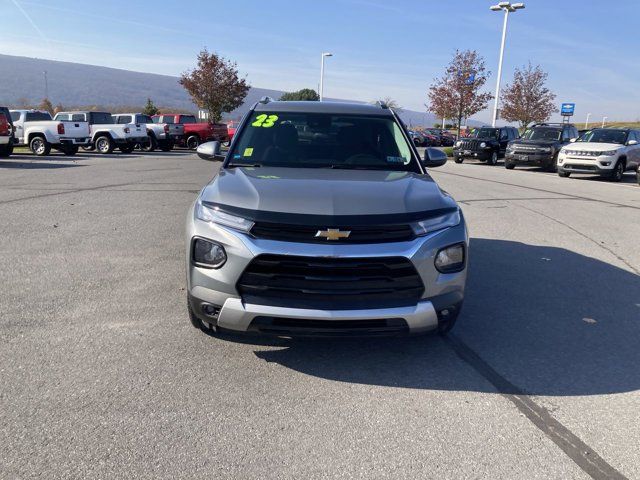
(484, 154)
(530, 158)
(216, 289)
(603, 166)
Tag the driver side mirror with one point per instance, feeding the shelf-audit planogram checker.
(210, 151)
(632, 142)
(434, 157)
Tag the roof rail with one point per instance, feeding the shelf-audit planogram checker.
(265, 100)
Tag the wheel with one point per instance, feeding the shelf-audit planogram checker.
(618, 172)
(196, 322)
(104, 144)
(151, 145)
(446, 323)
(494, 158)
(417, 142)
(458, 159)
(6, 151)
(40, 146)
(638, 175)
(166, 147)
(193, 142)
(509, 165)
(564, 174)
(127, 148)
(70, 150)
(553, 166)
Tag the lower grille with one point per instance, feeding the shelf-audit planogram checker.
(591, 168)
(307, 234)
(330, 283)
(329, 328)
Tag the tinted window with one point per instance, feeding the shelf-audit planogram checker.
(504, 135)
(143, 119)
(485, 133)
(311, 140)
(78, 117)
(188, 119)
(15, 116)
(37, 116)
(168, 119)
(124, 119)
(100, 118)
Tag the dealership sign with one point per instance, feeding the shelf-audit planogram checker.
(567, 109)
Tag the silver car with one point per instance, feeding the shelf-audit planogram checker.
(324, 221)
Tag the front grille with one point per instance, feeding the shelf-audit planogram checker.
(329, 328)
(469, 145)
(307, 234)
(330, 283)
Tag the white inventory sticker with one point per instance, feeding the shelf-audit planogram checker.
(397, 160)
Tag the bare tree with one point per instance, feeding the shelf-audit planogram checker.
(458, 93)
(527, 99)
(46, 106)
(389, 102)
(214, 85)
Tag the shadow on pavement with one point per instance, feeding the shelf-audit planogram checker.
(36, 165)
(550, 321)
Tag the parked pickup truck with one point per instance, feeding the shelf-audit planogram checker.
(6, 133)
(37, 130)
(195, 132)
(105, 134)
(159, 135)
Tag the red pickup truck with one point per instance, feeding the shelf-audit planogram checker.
(195, 132)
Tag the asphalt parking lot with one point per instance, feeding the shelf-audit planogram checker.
(103, 376)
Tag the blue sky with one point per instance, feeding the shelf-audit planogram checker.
(381, 48)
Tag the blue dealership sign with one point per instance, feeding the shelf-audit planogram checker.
(567, 109)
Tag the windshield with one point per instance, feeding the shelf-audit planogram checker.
(485, 133)
(551, 134)
(313, 140)
(604, 135)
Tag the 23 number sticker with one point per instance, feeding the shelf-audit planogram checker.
(265, 121)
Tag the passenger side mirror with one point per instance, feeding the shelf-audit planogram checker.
(210, 151)
(434, 157)
(632, 142)
(572, 140)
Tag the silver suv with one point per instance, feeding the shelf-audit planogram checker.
(323, 221)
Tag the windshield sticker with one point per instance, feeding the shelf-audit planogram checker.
(248, 152)
(237, 156)
(265, 121)
(401, 160)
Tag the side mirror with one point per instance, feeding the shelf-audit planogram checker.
(632, 142)
(210, 151)
(572, 140)
(434, 157)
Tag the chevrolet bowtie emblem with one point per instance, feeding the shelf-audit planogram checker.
(333, 234)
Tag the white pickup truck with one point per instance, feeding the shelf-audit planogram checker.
(106, 135)
(36, 129)
(160, 135)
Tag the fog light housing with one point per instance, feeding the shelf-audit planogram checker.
(451, 259)
(208, 254)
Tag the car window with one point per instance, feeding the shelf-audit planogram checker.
(484, 133)
(124, 119)
(170, 119)
(78, 117)
(605, 135)
(542, 133)
(566, 135)
(143, 119)
(504, 135)
(322, 140)
(15, 116)
(188, 119)
(101, 118)
(37, 116)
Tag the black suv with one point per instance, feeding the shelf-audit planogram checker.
(7, 138)
(487, 144)
(539, 145)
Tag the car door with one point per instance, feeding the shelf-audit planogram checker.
(504, 140)
(633, 151)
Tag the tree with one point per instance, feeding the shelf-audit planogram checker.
(304, 95)
(389, 102)
(527, 99)
(214, 85)
(457, 95)
(150, 108)
(59, 108)
(46, 106)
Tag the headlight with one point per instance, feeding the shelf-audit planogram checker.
(215, 215)
(206, 253)
(450, 259)
(458, 143)
(437, 223)
(609, 153)
(483, 145)
(546, 149)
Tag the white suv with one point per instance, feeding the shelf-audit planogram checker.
(607, 152)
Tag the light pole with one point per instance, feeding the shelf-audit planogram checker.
(604, 120)
(46, 85)
(586, 124)
(322, 57)
(508, 8)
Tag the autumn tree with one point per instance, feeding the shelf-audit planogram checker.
(527, 99)
(458, 93)
(59, 108)
(214, 85)
(46, 106)
(304, 95)
(150, 108)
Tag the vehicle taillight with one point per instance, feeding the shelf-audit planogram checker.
(4, 125)
(127, 129)
(166, 128)
(61, 129)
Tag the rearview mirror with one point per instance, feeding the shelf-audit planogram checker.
(210, 151)
(434, 157)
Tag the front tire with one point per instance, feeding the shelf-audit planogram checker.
(494, 158)
(127, 148)
(39, 146)
(509, 165)
(564, 174)
(193, 142)
(151, 145)
(70, 150)
(104, 145)
(458, 159)
(553, 166)
(618, 172)
(6, 151)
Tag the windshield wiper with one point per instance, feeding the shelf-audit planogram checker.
(234, 165)
(344, 166)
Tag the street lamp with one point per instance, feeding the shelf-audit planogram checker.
(604, 121)
(508, 8)
(586, 124)
(322, 57)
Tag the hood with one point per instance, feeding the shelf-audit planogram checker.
(326, 192)
(593, 146)
(536, 143)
